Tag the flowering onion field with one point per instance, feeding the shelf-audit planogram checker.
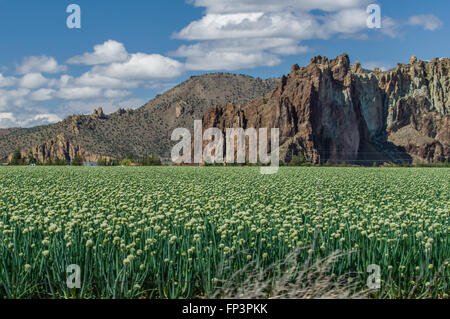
(182, 232)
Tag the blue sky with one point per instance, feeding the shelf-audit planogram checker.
(128, 51)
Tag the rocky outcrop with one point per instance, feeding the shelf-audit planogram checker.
(60, 147)
(333, 111)
(98, 114)
(417, 105)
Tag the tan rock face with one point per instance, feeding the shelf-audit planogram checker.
(417, 101)
(180, 108)
(99, 114)
(332, 111)
(59, 147)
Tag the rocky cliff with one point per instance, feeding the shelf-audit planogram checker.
(333, 111)
(60, 147)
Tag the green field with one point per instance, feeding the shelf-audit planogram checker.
(181, 232)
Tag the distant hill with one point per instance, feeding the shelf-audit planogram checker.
(139, 132)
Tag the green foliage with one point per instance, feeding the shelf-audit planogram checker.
(17, 158)
(298, 160)
(31, 160)
(113, 162)
(150, 161)
(102, 162)
(437, 164)
(60, 162)
(105, 162)
(126, 162)
(179, 232)
(440, 164)
(77, 161)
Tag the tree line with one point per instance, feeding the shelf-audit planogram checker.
(18, 160)
(152, 160)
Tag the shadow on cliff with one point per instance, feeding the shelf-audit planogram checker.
(394, 153)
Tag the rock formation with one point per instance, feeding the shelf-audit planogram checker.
(62, 148)
(332, 111)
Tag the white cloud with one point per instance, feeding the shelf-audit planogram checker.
(38, 64)
(8, 123)
(114, 68)
(83, 93)
(42, 95)
(142, 66)
(109, 52)
(9, 119)
(393, 28)
(291, 50)
(287, 24)
(244, 45)
(112, 94)
(64, 80)
(33, 80)
(48, 118)
(97, 80)
(215, 60)
(3, 102)
(77, 93)
(16, 97)
(7, 116)
(390, 27)
(347, 21)
(250, 33)
(251, 25)
(7, 81)
(235, 32)
(428, 21)
(233, 54)
(28, 100)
